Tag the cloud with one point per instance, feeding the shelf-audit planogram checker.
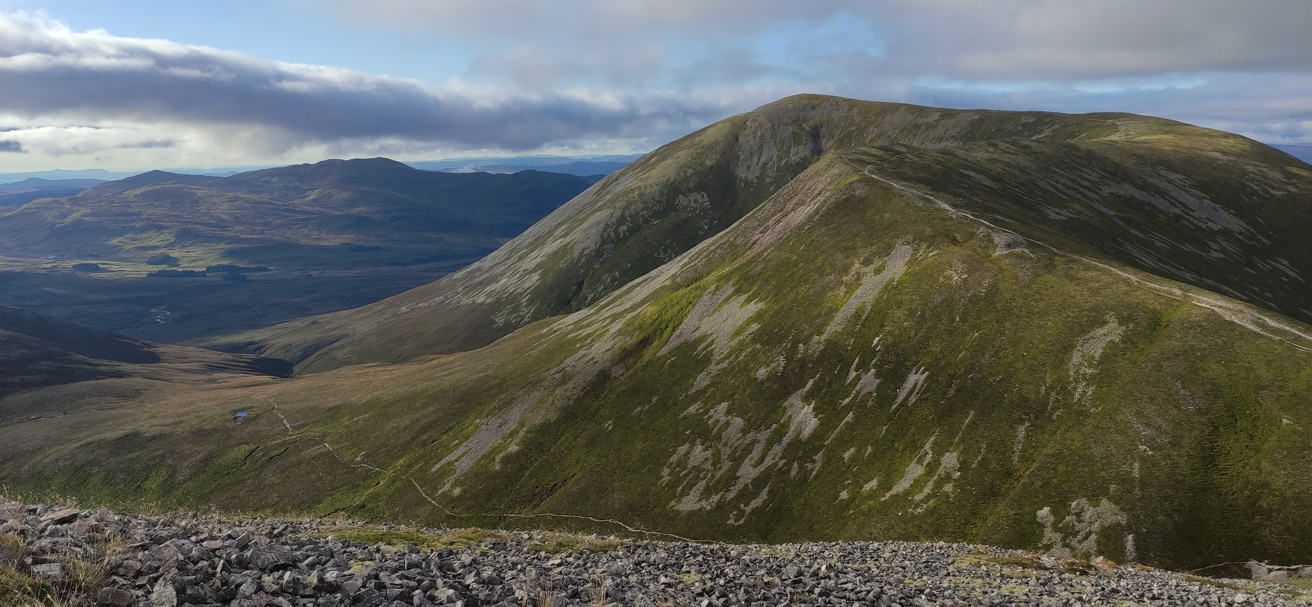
(1105, 38)
(1047, 39)
(602, 76)
(50, 72)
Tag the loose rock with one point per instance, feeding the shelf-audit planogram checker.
(217, 561)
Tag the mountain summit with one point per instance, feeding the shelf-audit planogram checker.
(825, 319)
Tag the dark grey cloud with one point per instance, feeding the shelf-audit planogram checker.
(46, 70)
(10, 146)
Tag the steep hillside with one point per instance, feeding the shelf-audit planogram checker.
(645, 215)
(279, 244)
(857, 357)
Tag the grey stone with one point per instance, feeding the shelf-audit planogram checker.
(114, 597)
(61, 516)
(164, 595)
(301, 568)
(51, 572)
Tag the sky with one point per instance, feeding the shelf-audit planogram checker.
(152, 84)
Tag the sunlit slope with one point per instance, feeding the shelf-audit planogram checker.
(637, 219)
(850, 360)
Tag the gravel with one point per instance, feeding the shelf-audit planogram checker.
(184, 559)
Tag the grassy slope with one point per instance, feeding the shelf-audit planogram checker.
(1010, 379)
(636, 219)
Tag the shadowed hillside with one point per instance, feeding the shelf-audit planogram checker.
(866, 351)
(37, 352)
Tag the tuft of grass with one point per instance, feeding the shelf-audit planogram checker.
(18, 586)
(83, 575)
(555, 543)
(460, 539)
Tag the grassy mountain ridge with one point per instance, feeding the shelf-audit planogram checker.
(856, 357)
(631, 222)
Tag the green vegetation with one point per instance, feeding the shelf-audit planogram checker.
(556, 543)
(859, 355)
(459, 539)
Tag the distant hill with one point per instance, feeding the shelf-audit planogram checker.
(65, 175)
(583, 166)
(334, 234)
(1301, 152)
(34, 183)
(32, 188)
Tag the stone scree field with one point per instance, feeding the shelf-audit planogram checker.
(186, 559)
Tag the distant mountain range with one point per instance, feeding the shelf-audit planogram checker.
(334, 234)
(573, 165)
(1302, 152)
(825, 319)
(32, 188)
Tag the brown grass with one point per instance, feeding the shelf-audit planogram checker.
(556, 543)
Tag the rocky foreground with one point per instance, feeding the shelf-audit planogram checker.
(98, 557)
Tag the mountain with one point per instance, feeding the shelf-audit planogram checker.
(1167, 203)
(332, 235)
(825, 319)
